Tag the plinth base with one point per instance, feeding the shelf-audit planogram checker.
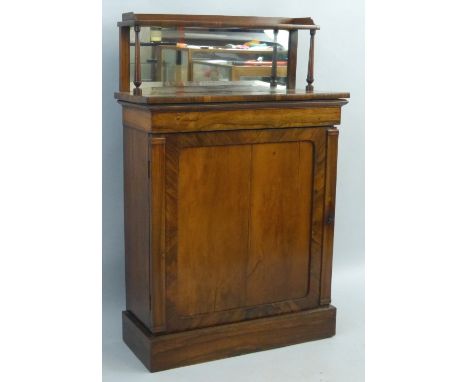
(167, 351)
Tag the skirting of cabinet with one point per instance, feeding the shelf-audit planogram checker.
(167, 351)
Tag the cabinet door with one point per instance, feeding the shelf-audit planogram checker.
(238, 225)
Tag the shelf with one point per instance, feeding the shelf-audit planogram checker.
(216, 21)
(216, 91)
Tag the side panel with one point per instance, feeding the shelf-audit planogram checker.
(329, 222)
(136, 210)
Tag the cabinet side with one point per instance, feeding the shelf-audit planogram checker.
(329, 215)
(137, 237)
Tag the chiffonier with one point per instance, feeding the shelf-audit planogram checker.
(229, 187)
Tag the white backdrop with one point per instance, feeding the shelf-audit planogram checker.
(339, 67)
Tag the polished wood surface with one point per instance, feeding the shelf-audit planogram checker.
(252, 116)
(157, 286)
(310, 66)
(137, 118)
(137, 224)
(217, 225)
(292, 59)
(282, 183)
(206, 92)
(251, 119)
(137, 66)
(274, 61)
(216, 21)
(330, 192)
(213, 228)
(227, 226)
(229, 208)
(162, 352)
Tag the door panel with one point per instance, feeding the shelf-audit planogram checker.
(244, 224)
(213, 228)
(280, 218)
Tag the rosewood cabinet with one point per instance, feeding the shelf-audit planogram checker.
(229, 215)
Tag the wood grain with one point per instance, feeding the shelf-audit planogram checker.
(242, 91)
(292, 59)
(188, 207)
(248, 119)
(329, 216)
(162, 352)
(228, 232)
(213, 228)
(158, 234)
(229, 204)
(310, 66)
(240, 106)
(216, 21)
(186, 118)
(136, 118)
(280, 222)
(137, 236)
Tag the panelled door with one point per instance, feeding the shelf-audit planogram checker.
(238, 225)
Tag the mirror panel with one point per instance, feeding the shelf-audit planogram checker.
(175, 55)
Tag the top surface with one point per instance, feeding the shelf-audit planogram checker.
(216, 21)
(206, 92)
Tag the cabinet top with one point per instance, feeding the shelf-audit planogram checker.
(216, 21)
(235, 91)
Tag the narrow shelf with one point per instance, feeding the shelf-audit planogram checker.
(216, 91)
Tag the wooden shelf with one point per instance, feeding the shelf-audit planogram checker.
(216, 21)
(233, 91)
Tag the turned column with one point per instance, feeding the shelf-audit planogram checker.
(137, 69)
(274, 61)
(310, 71)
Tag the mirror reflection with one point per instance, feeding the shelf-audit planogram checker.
(174, 55)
